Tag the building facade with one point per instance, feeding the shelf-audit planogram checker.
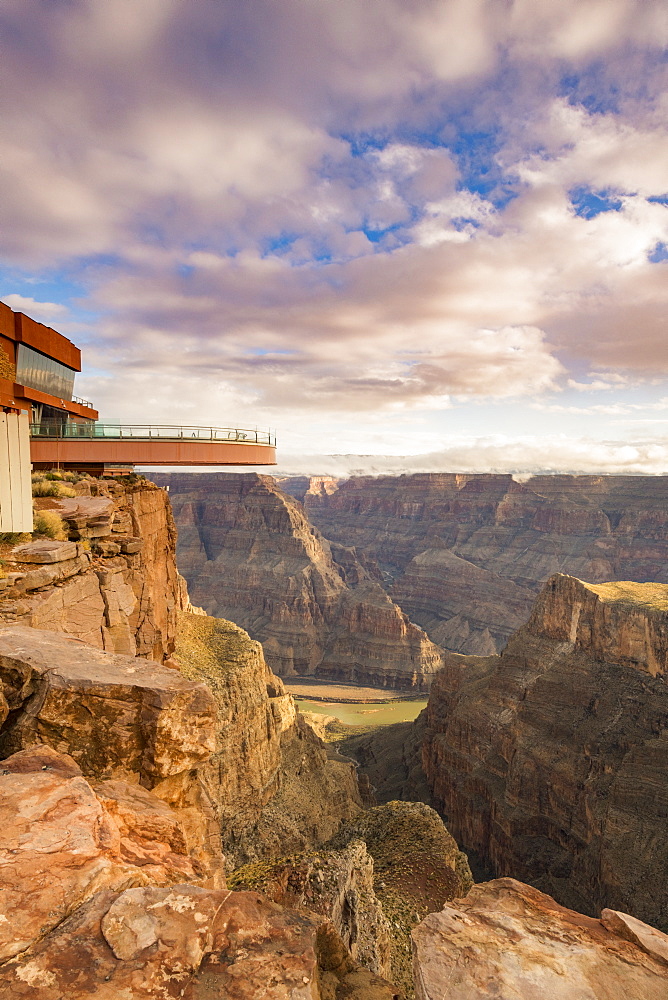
(44, 425)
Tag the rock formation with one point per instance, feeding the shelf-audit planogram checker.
(95, 901)
(114, 584)
(275, 788)
(337, 884)
(377, 878)
(299, 486)
(250, 555)
(126, 778)
(509, 940)
(550, 759)
(465, 555)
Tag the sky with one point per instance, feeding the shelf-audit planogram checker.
(405, 235)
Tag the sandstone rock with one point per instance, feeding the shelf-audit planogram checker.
(186, 941)
(151, 834)
(338, 885)
(49, 574)
(494, 529)
(456, 602)
(250, 555)
(273, 788)
(118, 716)
(299, 486)
(45, 551)
(647, 938)
(620, 622)
(125, 600)
(417, 868)
(75, 608)
(549, 760)
(511, 942)
(57, 846)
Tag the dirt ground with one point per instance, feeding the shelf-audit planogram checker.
(314, 689)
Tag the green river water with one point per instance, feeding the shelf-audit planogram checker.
(378, 714)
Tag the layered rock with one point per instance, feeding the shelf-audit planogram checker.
(111, 888)
(375, 880)
(299, 486)
(61, 843)
(250, 555)
(461, 606)
(550, 759)
(95, 901)
(509, 940)
(147, 943)
(114, 584)
(118, 716)
(337, 884)
(275, 787)
(464, 555)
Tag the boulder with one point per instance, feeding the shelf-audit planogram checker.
(508, 941)
(45, 551)
(147, 943)
(118, 716)
(57, 846)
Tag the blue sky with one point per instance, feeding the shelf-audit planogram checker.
(422, 235)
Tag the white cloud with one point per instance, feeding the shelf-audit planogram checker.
(36, 310)
(342, 207)
(525, 455)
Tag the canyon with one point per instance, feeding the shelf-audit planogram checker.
(548, 760)
(464, 556)
(174, 827)
(250, 555)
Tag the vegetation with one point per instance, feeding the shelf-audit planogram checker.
(209, 648)
(49, 524)
(649, 596)
(13, 537)
(53, 484)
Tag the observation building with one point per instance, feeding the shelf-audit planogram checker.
(44, 425)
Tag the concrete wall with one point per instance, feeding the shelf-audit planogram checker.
(15, 485)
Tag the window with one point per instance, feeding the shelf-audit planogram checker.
(37, 371)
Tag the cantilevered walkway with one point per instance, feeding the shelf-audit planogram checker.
(95, 447)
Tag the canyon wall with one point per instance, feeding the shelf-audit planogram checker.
(549, 760)
(273, 785)
(111, 872)
(250, 555)
(465, 555)
(114, 584)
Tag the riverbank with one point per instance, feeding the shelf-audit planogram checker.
(315, 689)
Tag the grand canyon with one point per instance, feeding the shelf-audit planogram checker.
(159, 746)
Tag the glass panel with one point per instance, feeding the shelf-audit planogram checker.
(37, 371)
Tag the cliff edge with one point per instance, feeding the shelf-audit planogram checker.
(549, 760)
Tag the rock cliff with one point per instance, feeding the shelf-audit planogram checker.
(114, 584)
(465, 555)
(274, 786)
(376, 879)
(126, 779)
(509, 940)
(100, 897)
(250, 555)
(550, 759)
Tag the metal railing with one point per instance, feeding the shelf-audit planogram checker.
(83, 402)
(149, 432)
